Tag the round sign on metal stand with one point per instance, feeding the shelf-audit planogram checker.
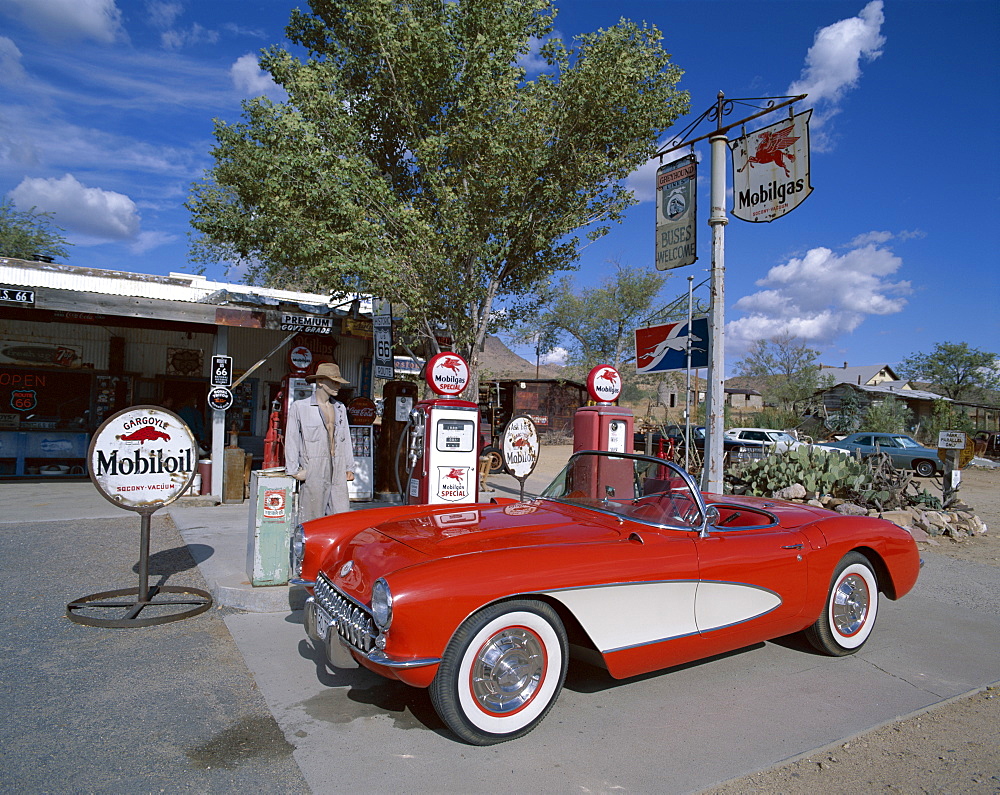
(141, 459)
(520, 449)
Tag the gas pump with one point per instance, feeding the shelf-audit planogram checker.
(603, 426)
(443, 438)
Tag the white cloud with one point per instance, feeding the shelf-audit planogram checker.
(75, 207)
(100, 20)
(532, 61)
(147, 241)
(833, 63)
(163, 15)
(196, 34)
(11, 71)
(820, 296)
(557, 355)
(250, 80)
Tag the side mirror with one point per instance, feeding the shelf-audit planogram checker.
(712, 516)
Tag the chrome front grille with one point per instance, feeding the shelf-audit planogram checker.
(352, 619)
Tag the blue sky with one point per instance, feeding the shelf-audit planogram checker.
(107, 108)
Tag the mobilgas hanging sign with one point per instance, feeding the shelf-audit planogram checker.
(675, 213)
(771, 170)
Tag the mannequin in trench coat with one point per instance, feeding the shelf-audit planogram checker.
(308, 442)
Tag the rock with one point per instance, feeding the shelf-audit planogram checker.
(816, 503)
(935, 519)
(918, 534)
(850, 509)
(794, 492)
(902, 518)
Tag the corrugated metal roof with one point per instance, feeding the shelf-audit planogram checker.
(175, 287)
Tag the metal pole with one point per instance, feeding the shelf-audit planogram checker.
(143, 592)
(687, 380)
(714, 409)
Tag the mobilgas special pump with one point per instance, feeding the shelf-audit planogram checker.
(443, 438)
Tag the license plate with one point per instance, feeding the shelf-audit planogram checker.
(323, 622)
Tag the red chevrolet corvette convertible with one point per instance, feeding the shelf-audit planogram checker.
(622, 559)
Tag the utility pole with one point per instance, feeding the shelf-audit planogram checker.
(712, 473)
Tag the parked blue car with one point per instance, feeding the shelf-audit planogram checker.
(904, 452)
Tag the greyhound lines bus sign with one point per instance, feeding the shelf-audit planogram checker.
(143, 458)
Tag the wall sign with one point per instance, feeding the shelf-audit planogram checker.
(143, 458)
(16, 295)
(220, 398)
(313, 324)
(222, 371)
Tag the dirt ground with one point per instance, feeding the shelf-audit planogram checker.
(953, 748)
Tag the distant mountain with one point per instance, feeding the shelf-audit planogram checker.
(499, 361)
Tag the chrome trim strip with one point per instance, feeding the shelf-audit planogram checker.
(381, 658)
(300, 581)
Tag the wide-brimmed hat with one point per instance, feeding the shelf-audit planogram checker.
(327, 370)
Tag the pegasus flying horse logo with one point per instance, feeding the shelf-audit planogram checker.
(773, 148)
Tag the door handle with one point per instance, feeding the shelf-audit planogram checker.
(792, 546)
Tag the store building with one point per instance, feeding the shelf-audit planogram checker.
(78, 344)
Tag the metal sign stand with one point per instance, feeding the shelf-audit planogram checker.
(712, 472)
(134, 600)
(150, 471)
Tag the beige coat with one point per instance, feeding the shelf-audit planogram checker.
(307, 455)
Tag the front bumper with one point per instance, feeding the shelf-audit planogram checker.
(350, 625)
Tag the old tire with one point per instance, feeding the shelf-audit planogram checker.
(497, 466)
(924, 469)
(502, 672)
(850, 610)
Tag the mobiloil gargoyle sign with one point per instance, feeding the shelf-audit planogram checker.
(141, 459)
(771, 170)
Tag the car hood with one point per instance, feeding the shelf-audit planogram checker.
(444, 532)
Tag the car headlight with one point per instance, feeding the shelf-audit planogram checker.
(297, 550)
(382, 604)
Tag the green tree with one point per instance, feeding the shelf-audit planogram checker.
(889, 415)
(29, 234)
(945, 417)
(415, 160)
(954, 368)
(852, 410)
(599, 323)
(787, 366)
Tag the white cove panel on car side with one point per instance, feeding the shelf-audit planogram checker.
(631, 614)
(722, 604)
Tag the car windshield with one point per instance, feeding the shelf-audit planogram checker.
(904, 441)
(781, 436)
(637, 487)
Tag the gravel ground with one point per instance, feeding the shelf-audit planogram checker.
(950, 748)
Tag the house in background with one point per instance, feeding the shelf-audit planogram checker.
(866, 375)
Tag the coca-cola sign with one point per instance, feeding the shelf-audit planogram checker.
(143, 458)
(361, 411)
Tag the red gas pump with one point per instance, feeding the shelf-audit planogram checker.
(604, 426)
(443, 443)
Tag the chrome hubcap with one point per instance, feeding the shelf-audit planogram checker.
(508, 670)
(850, 604)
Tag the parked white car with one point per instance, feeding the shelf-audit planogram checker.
(767, 438)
